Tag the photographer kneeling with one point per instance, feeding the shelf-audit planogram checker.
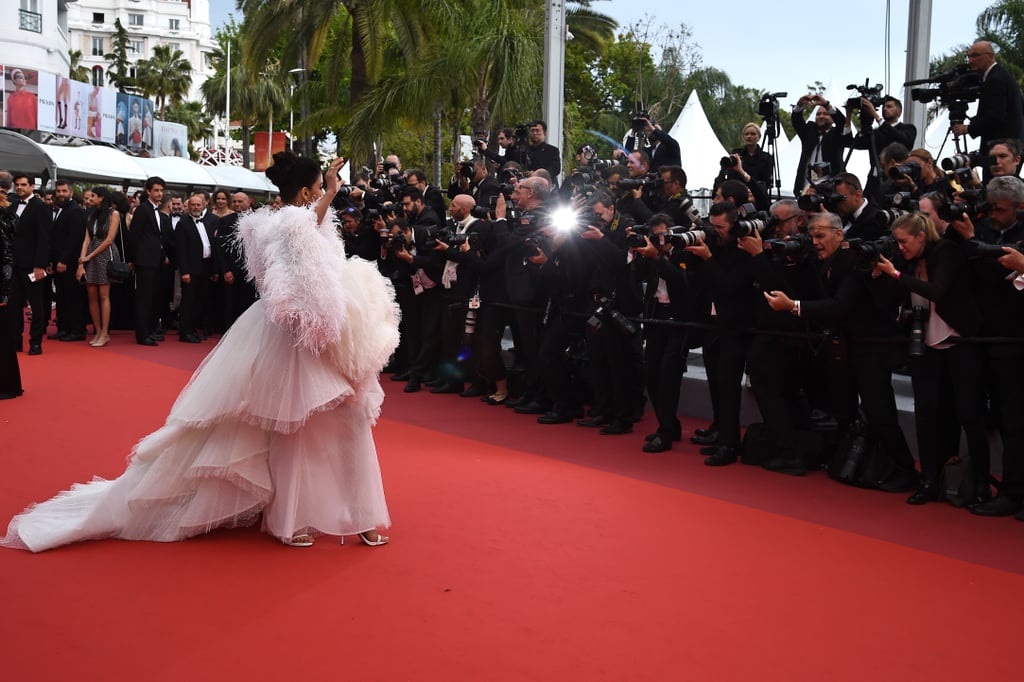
(934, 279)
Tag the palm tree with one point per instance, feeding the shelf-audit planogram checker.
(77, 70)
(165, 75)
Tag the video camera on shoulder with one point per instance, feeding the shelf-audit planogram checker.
(872, 94)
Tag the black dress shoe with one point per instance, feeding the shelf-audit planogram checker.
(35, 349)
(157, 336)
(794, 466)
(475, 390)
(434, 383)
(401, 376)
(658, 444)
(1000, 505)
(900, 482)
(553, 417)
(532, 407)
(189, 338)
(413, 386)
(447, 388)
(147, 342)
(708, 450)
(68, 336)
(706, 432)
(707, 438)
(617, 427)
(928, 491)
(723, 456)
(594, 422)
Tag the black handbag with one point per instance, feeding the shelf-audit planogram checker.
(117, 269)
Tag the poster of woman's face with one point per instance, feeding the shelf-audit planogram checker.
(21, 101)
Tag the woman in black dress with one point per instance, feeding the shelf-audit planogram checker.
(10, 374)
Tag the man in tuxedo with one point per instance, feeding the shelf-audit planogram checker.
(65, 249)
(146, 253)
(432, 196)
(541, 154)
(821, 142)
(999, 105)
(239, 293)
(194, 249)
(888, 130)
(862, 217)
(31, 259)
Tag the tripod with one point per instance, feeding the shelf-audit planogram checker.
(772, 128)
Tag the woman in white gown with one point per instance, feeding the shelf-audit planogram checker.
(277, 419)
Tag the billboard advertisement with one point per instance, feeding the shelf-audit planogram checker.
(21, 98)
(135, 123)
(264, 151)
(170, 139)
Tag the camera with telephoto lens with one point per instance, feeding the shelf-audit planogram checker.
(506, 190)
(751, 221)
(902, 200)
(606, 312)
(688, 237)
(917, 318)
(727, 162)
(650, 181)
(395, 242)
(889, 215)
(968, 160)
(971, 201)
(798, 245)
(467, 169)
(825, 196)
(866, 252)
(481, 212)
(911, 170)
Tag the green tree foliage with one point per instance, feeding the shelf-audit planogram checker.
(167, 75)
(1002, 24)
(119, 66)
(77, 70)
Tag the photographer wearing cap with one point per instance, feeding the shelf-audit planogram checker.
(999, 104)
(821, 142)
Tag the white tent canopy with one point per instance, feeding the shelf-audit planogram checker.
(106, 165)
(700, 149)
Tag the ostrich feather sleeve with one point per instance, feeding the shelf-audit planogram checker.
(342, 309)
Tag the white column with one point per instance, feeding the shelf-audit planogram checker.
(554, 70)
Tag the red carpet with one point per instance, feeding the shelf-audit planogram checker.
(519, 552)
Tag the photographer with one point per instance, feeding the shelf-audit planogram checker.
(474, 180)
(676, 201)
(361, 234)
(541, 154)
(673, 293)
(1002, 312)
(423, 266)
(613, 347)
(925, 179)
(635, 195)
(882, 188)
(662, 148)
(1005, 156)
(999, 103)
(851, 304)
(861, 217)
(732, 171)
(432, 196)
(821, 142)
(506, 149)
(875, 139)
(585, 176)
(935, 283)
(730, 277)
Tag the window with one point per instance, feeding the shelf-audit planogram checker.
(174, 46)
(97, 17)
(135, 46)
(97, 47)
(174, 24)
(29, 18)
(97, 75)
(135, 20)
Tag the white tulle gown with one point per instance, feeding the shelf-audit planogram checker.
(275, 421)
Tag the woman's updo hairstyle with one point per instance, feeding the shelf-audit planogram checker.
(291, 173)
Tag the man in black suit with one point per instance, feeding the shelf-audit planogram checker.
(65, 249)
(541, 154)
(432, 196)
(194, 250)
(821, 142)
(664, 150)
(31, 260)
(888, 130)
(146, 253)
(239, 293)
(862, 217)
(999, 106)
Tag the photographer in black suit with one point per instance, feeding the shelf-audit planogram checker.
(887, 131)
(31, 260)
(146, 253)
(861, 216)
(65, 247)
(999, 105)
(821, 142)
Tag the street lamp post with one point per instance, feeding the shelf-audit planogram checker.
(296, 73)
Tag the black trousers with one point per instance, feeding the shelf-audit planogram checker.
(34, 293)
(490, 328)
(145, 301)
(10, 373)
(725, 358)
(194, 299)
(431, 313)
(237, 299)
(614, 371)
(665, 353)
(562, 330)
(71, 302)
(949, 394)
(1005, 363)
(776, 366)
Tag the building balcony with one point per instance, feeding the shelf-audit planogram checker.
(30, 21)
